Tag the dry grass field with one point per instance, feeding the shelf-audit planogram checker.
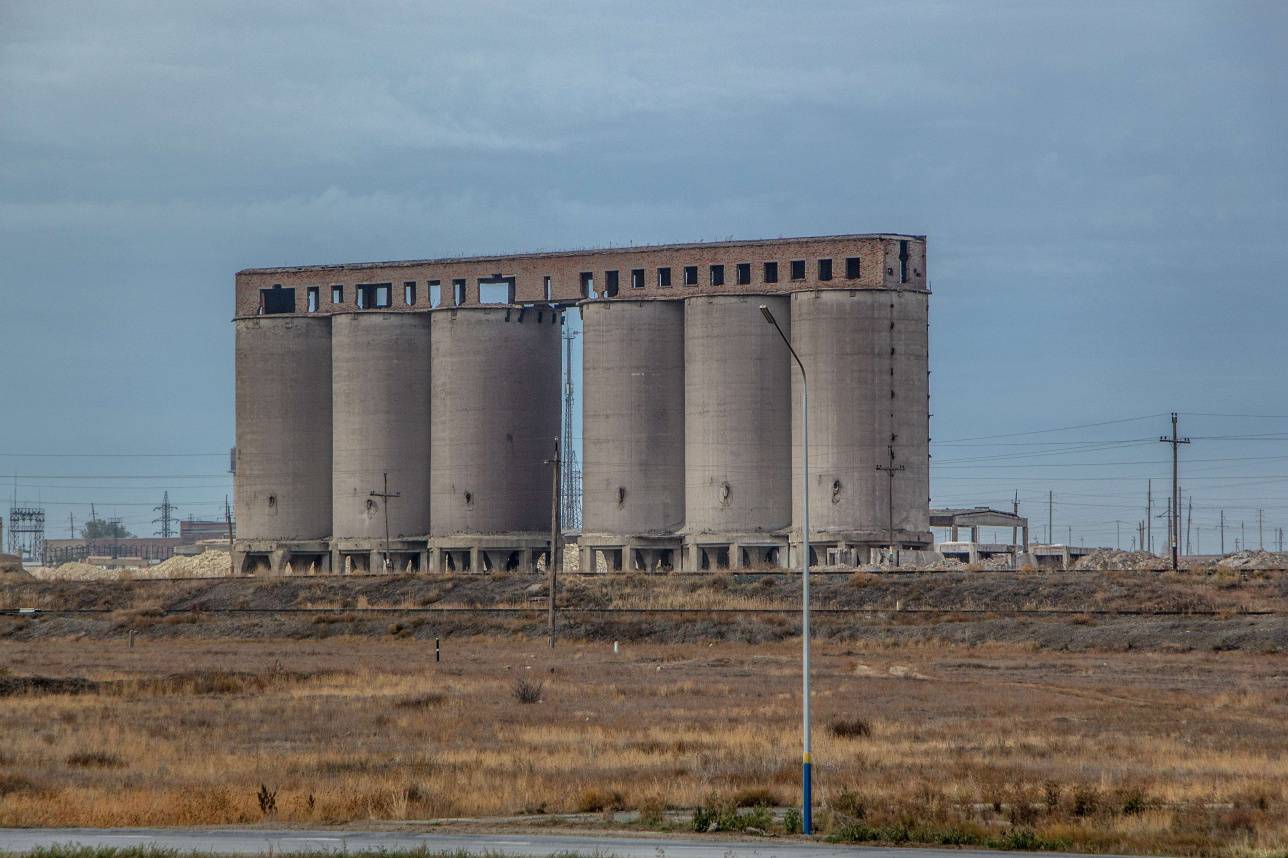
(921, 741)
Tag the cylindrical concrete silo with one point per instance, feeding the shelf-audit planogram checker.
(737, 429)
(633, 429)
(380, 384)
(283, 412)
(494, 418)
(866, 355)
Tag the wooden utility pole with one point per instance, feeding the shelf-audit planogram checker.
(385, 496)
(890, 470)
(1050, 518)
(552, 564)
(1174, 523)
(1222, 533)
(1149, 516)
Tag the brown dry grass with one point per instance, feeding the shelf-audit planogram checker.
(1178, 753)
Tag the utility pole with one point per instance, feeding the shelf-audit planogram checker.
(1222, 533)
(890, 472)
(228, 520)
(385, 497)
(1261, 542)
(1069, 539)
(1149, 515)
(1281, 540)
(1189, 521)
(1118, 529)
(167, 516)
(553, 557)
(1050, 518)
(71, 525)
(1175, 522)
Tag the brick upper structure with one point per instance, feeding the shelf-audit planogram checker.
(658, 272)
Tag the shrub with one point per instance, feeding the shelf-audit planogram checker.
(854, 728)
(850, 804)
(95, 760)
(755, 797)
(594, 800)
(267, 800)
(1085, 800)
(652, 811)
(526, 691)
(1051, 793)
(792, 821)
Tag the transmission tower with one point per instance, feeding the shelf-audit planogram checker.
(570, 471)
(166, 520)
(27, 533)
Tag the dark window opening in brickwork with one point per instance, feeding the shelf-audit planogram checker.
(337, 294)
(771, 272)
(690, 275)
(314, 298)
(610, 284)
(496, 290)
(276, 300)
(587, 285)
(798, 269)
(435, 293)
(409, 293)
(374, 296)
(717, 275)
(637, 278)
(903, 261)
(458, 292)
(825, 269)
(743, 273)
(852, 268)
(664, 277)
(548, 289)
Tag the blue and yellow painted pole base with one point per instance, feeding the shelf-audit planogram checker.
(807, 798)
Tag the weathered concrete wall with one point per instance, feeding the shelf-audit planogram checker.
(283, 407)
(865, 352)
(737, 429)
(494, 417)
(380, 388)
(633, 417)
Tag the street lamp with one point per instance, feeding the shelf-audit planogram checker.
(807, 815)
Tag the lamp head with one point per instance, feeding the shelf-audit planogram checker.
(764, 311)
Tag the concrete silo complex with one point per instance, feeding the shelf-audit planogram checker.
(444, 375)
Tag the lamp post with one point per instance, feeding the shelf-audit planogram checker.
(807, 762)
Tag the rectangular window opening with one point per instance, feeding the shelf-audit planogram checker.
(548, 289)
(315, 297)
(743, 273)
(496, 290)
(588, 286)
(374, 296)
(798, 269)
(610, 284)
(852, 268)
(771, 272)
(664, 277)
(409, 293)
(276, 300)
(825, 269)
(435, 293)
(637, 278)
(337, 294)
(903, 261)
(690, 275)
(717, 275)
(458, 292)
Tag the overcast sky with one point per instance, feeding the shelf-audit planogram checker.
(1104, 187)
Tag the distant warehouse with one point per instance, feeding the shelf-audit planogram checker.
(444, 375)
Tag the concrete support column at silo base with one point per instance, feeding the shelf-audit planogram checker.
(367, 556)
(617, 553)
(711, 551)
(263, 557)
(483, 553)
